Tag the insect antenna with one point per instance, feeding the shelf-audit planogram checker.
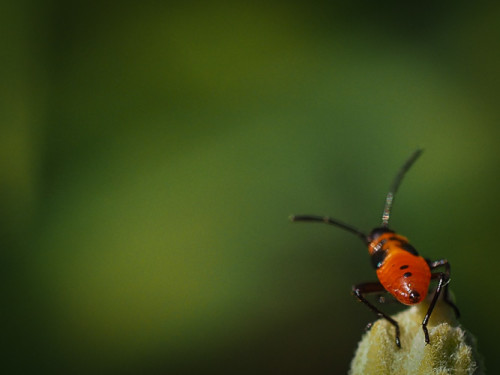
(329, 220)
(389, 200)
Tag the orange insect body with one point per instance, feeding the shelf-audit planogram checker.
(400, 270)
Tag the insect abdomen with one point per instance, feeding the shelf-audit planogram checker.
(406, 276)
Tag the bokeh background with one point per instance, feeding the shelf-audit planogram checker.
(151, 153)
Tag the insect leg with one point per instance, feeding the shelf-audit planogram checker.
(374, 287)
(447, 270)
(443, 280)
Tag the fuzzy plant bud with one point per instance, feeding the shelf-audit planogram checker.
(451, 350)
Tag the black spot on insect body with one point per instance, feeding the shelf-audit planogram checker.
(377, 258)
(407, 247)
(414, 296)
(403, 267)
(407, 274)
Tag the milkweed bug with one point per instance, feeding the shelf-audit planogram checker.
(401, 271)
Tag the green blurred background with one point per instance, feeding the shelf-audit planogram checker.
(151, 153)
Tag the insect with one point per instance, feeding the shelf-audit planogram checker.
(401, 271)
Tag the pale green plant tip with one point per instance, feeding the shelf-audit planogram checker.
(452, 350)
